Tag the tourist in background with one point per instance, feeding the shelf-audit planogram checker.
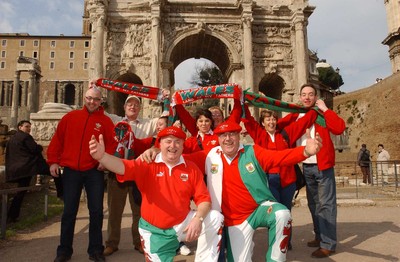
(382, 163)
(364, 161)
(22, 156)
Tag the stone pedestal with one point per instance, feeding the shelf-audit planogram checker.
(44, 122)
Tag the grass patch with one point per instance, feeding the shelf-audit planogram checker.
(32, 212)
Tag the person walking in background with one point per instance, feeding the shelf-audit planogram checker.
(382, 164)
(22, 156)
(168, 185)
(320, 173)
(364, 161)
(69, 149)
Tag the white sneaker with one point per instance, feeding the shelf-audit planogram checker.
(184, 250)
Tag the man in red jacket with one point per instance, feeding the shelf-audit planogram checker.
(319, 173)
(69, 149)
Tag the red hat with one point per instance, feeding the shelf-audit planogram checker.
(227, 126)
(172, 131)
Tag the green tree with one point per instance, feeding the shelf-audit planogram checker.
(330, 77)
(207, 75)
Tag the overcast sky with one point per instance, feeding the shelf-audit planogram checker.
(347, 33)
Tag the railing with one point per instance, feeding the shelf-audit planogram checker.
(349, 176)
(4, 194)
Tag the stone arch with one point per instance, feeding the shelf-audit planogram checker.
(116, 100)
(69, 96)
(203, 44)
(272, 85)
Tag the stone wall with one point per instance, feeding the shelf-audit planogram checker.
(372, 116)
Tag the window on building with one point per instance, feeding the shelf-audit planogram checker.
(86, 54)
(72, 44)
(36, 43)
(52, 54)
(85, 65)
(51, 65)
(87, 44)
(4, 42)
(3, 54)
(53, 43)
(2, 65)
(35, 54)
(21, 53)
(22, 42)
(71, 65)
(71, 55)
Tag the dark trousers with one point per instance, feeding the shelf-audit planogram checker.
(15, 207)
(73, 182)
(366, 174)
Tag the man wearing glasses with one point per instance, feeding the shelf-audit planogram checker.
(69, 149)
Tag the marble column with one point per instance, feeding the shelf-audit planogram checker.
(15, 100)
(33, 93)
(248, 53)
(2, 91)
(99, 48)
(155, 43)
(24, 96)
(166, 68)
(301, 52)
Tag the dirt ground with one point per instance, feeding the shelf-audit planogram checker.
(365, 233)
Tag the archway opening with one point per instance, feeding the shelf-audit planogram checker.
(69, 98)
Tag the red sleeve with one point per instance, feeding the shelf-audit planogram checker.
(199, 158)
(236, 113)
(187, 119)
(285, 121)
(109, 135)
(141, 145)
(272, 158)
(334, 123)
(254, 129)
(297, 128)
(132, 168)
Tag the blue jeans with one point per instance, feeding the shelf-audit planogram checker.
(73, 182)
(283, 195)
(321, 197)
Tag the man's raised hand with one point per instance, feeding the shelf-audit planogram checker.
(97, 149)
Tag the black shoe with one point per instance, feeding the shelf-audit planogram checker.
(62, 258)
(97, 257)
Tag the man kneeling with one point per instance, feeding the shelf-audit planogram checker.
(167, 185)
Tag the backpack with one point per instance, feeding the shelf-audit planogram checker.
(365, 156)
(300, 178)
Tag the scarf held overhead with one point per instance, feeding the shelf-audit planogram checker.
(130, 89)
(261, 101)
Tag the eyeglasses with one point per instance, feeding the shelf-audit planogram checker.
(226, 134)
(95, 99)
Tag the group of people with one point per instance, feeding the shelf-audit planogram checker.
(236, 188)
(382, 165)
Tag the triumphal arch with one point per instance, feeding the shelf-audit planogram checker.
(259, 44)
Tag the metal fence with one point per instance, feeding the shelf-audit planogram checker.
(384, 177)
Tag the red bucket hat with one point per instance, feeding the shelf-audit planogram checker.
(172, 131)
(227, 126)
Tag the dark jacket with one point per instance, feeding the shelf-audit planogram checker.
(22, 153)
(363, 158)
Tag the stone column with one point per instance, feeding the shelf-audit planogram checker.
(7, 95)
(77, 98)
(166, 67)
(99, 48)
(24, 96)
(301, 51)
(2, 87)
(60, 96)
(15, 100)
(33, 97)
(248, 53)
(155, 43)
